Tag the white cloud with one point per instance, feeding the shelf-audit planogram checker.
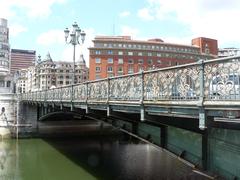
(214, 19)
(129, 31)
(51, 37)
(145, 14)
(16, 29)
(31, 8)
(124, 14)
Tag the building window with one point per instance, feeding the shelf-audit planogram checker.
(130, 61)
(97, 52)
(120, 53)
(140, 61)
(2, 84)
(109, 52)
(98, 60)
(150, 61)
(149, 54)
(110, 60)
(8, 83)
(140, 53)
(120, 61)
(110, 69)
(130, 53)
(98, 69)
(130, 69)
(159, 55)
(120, 69)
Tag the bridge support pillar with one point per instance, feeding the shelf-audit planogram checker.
(45, 107)
(53, 107)
(205, 149)
(142, 113)
(205, 143)
(163, 136)
(27, 118)
(135, 128)
(109, 110)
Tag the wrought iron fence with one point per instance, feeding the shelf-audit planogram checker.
(217, 79)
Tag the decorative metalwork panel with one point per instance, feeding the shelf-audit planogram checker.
(58, 94)
(80, 92)
(66, 93)
(222, 79)
(214, 79)
(126, 88)
(98, 90)
(179, 84)
(50, 95)
(38, 95)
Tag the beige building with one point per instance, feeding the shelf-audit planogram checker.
(49, 74)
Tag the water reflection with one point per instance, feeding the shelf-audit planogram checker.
(117, 157)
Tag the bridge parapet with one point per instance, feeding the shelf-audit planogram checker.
(202, 85)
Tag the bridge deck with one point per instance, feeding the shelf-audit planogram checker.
(201, 89)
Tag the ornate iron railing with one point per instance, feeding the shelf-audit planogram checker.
(217, 79)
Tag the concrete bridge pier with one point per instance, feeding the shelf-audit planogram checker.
(27, 118)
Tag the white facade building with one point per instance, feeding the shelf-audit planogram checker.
(225, 52)
(49, 74)
(6, 85)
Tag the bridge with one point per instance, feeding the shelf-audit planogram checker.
(201, 99)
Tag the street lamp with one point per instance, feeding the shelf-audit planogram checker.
(75, 34)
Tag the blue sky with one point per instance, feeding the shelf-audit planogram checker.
(39, 25)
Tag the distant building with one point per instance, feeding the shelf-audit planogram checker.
(49, 74)
(225, 52)
(206, 45)
(119, 55)
(22, 81)
(21, 59)
(6, 85)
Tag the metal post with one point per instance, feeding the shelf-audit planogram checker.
(73, 78)
(72, 98)
(108, 97)
(142, 111)
(202, 116)
(87, 109)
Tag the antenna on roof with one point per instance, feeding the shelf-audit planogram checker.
(113, 29)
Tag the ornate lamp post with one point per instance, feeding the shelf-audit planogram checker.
(75, 34)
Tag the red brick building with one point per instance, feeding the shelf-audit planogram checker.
(119, 55)
(206, 45)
